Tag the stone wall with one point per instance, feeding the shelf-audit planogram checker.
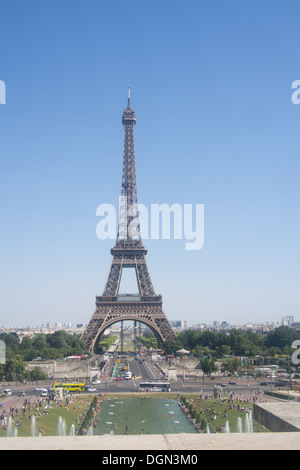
(73, 369)
(278, 417)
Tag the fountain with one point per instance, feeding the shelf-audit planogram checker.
(207, 429)
(239, 425)
(142, 415)
(61, 428)
(90, 431)
(11, 430)
(72, 430)
(227, 429)
(33, 426)
(249, 422)
(9, 427)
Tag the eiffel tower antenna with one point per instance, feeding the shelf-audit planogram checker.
(128, 97)
(128, 252)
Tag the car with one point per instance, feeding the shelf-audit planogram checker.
(90, 389)
(22, 394)
(7, 392)
(232, 382)
(44, 393)
(96, 382)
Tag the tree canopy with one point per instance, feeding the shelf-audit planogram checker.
(235, 343)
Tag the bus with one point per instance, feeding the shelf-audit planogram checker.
(70, 387)
(154, 387)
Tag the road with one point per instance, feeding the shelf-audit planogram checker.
(145, 370)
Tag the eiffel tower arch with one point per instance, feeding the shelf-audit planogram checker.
(129, 252)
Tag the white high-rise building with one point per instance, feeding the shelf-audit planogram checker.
(287, 320)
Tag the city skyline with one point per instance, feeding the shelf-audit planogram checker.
(216, 125)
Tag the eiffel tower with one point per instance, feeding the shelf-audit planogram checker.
(129, 252)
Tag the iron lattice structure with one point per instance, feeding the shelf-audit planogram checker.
(129, 252)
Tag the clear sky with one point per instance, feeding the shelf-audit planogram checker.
(211, 87)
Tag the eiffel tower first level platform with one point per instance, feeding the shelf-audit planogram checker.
(129, 252)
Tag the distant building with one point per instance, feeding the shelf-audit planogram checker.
(181, 324)
(287, 320)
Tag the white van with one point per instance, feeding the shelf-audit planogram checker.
(128, 375)
(7, 392)
(44, 393)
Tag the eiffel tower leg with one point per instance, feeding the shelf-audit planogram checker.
(143, 277)
(122, 337)
(114, 278)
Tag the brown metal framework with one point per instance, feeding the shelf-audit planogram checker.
(129, 252)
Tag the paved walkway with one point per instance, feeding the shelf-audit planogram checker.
(167, 442)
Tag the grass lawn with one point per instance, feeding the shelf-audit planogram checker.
(47, 424)
(223, 411)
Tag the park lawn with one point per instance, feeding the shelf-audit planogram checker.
(47, 425)
(206, 408)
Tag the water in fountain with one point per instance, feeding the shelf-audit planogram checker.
(207, 429)
(239, 424)
(10, 427)
(248, 422)
(251, 421)
(11, 430)
(61, 428)
(33, 426)
(72, 430)
(227, 429)
(90, 431)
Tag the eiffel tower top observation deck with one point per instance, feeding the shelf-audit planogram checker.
(129, 231)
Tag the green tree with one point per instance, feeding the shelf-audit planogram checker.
(223, 350)
(281, 337)
(231, 365)
(173, 345)
(208, 365)
(37, 374)
(15, 369)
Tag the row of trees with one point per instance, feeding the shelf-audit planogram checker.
(50, 346)
(14, 370)
(46, 346)
(149, 340)
(236, 343)
(105, 343)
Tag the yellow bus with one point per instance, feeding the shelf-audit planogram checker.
(70, 387)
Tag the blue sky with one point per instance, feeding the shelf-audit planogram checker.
(211, 87)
